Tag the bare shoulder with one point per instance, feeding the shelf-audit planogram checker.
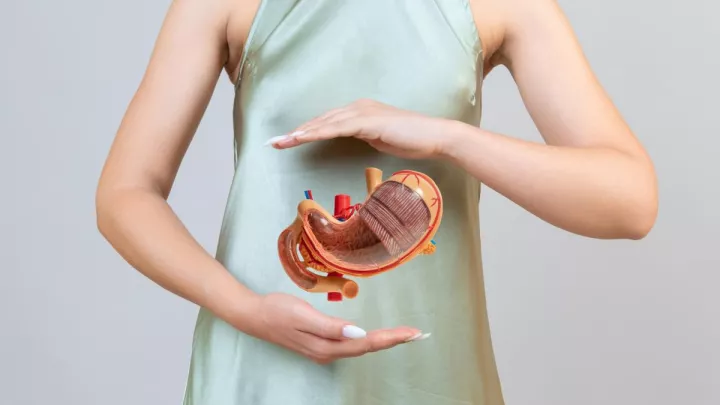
(241, 16)
(489, 19)
(503, 23)
(231, 20)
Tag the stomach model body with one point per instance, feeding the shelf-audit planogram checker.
(395, 223)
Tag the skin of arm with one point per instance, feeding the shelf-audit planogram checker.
(592, 177)
(131, 199)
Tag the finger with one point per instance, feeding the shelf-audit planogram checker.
(316, 323)
(315, 122)
(297, 137)
(339, 129)
(311, 127)
(375, 341)
(332, 117)
(386, 338)
(339, 116)
(322, 118)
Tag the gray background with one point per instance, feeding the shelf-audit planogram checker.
(574, 321)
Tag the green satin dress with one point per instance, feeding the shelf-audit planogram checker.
(303, 58)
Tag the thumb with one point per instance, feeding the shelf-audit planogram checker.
(316, 323)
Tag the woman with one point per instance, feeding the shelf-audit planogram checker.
(334, 87)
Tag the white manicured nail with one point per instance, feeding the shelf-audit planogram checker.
(276, 139)
(280, 138)
(419, 337)
(353, 332)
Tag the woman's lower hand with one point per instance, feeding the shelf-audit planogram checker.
(290, 322)
(388, 129)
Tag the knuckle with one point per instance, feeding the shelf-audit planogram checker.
(381, 343)
(327, 328)
(373, 346)
(322, 131)
(321, 349)
(331, 130)
(319, 133)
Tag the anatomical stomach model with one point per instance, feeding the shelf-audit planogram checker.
(395, 223)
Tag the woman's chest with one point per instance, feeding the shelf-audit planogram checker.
(416, 32)
(316, 58)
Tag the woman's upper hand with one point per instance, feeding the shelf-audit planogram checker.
(292, 323)
(388, 129)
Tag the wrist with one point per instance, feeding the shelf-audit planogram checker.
(246, 316)
(231, 301)
(454, 139)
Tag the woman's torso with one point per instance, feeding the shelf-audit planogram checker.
(302, 58)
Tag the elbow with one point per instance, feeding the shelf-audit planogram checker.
(101, 211)
(630, 224)
(115, 205)
(107, 199)
(640, 202)
(639, 227)
(640, 216)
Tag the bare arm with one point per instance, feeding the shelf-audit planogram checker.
(132, 212)
(592, 177)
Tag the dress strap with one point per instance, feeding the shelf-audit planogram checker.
(459, 16)
(268, 17)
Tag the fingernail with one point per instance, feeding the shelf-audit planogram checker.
(276, 139)
(418, 337)
(353, 332)
(281, 138)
